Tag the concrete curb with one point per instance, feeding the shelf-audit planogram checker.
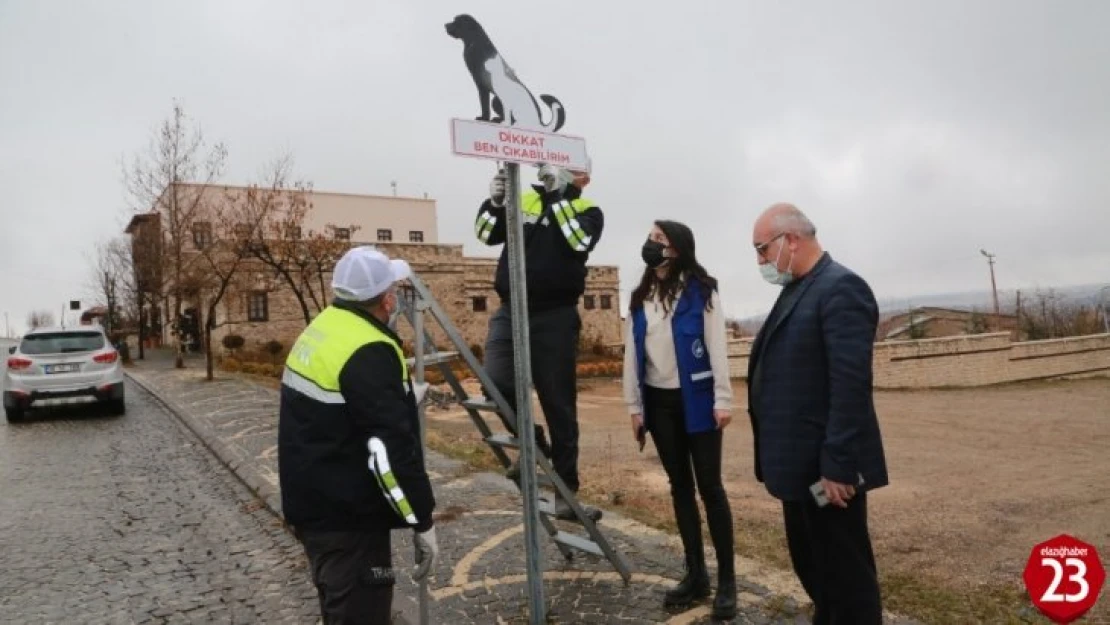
(405, 609)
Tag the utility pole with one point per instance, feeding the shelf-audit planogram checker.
(994, 289)
(1104, 295)
(7, 326)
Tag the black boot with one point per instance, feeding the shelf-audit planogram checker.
(692, 587)
(724, 604)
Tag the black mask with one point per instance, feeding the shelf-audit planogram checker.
(652, 253)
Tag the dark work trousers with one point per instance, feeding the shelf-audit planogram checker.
(831, 551)
(686, 458)
(553, 336)
(353, 574)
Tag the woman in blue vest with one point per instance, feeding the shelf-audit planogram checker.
(677, 387)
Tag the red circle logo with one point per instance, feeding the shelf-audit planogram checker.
(1064, 577)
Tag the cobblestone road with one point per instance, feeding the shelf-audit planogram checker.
(130, 520)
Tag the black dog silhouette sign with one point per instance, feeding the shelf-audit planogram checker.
(517, 131)
(494, 77)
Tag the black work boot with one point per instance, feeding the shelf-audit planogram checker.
(692, 587)
(564, 512)
(724, 604)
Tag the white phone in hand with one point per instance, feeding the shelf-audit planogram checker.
(818, 492)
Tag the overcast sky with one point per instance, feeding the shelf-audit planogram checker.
(913, 134)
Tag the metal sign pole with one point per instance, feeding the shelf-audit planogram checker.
(418, 366)
(522, 359)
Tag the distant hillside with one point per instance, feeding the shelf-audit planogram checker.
(971, 300)
(1007, 298)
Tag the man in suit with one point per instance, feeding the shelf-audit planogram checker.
(813, 418)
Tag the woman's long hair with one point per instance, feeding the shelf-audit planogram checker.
(685, 265)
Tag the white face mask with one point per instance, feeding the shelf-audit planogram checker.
(771, 273)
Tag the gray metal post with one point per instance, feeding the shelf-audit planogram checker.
(1105, 308)
(418, 366)
(522, 359)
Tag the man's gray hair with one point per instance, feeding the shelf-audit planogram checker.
(788, 218)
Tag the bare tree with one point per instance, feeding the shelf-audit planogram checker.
(237, 222)
(40, 319)
(172, 179)
(1050, 315)
(112, 283)
(299, 258)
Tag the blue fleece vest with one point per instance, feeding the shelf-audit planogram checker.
(695, 373)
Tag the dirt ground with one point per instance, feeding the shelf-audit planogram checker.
(978, 476)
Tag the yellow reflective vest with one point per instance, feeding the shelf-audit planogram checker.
(350, 456)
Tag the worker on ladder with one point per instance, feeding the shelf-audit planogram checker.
(561, 228)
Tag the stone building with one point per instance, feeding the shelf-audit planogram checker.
(260, 306)
(935, 322)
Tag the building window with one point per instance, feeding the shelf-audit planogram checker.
(606, 302)
(588, 301)
(202, 234)
(385, 235)
(242, 231)
(416, 236)
(342, 234)
(258, 306)
(478, 304)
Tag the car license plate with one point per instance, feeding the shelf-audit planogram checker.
(61, 368)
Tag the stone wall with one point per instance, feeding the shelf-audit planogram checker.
(462, 285)
(966, 361)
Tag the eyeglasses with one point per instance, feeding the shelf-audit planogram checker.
(761, 248)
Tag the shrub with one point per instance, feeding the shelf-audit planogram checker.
(274, 349)
(232, 342)
(232, 365)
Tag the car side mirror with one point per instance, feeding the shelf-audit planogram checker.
(11, 350)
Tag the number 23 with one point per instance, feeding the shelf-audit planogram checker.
(1079, 577)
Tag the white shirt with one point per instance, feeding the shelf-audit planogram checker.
(661, 368)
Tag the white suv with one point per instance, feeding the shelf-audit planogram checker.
(51, 363)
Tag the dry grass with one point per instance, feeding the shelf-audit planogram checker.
(469, 449)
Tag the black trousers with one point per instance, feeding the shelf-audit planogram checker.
(553, 335)
(693, 464)
(353, 574)
(831, 551)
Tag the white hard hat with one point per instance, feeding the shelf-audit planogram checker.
(365, 273)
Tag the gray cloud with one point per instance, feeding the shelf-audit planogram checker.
(913, 135)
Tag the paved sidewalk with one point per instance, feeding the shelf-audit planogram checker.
(480, 575)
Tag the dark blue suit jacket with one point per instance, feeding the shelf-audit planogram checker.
(811, 409)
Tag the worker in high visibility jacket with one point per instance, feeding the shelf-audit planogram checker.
(350, 459)
(561, 228)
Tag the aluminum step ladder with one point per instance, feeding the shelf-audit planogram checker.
(417, 300)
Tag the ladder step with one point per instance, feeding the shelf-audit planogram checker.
(578, 542)
(480, 404)
(504, 440)
(547, 507)
(434, 359)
